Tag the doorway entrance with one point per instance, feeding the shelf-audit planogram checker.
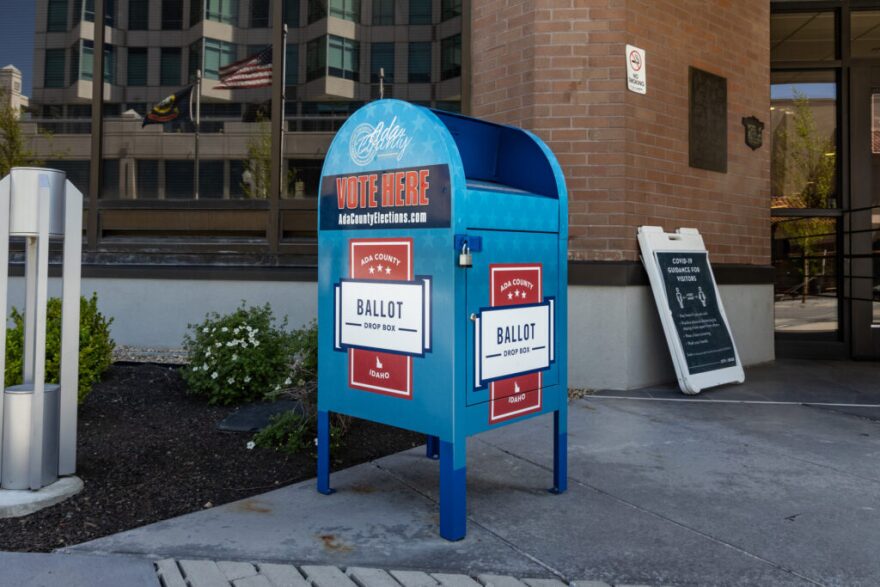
(862, 219)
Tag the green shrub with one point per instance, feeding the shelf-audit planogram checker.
(238, 357)
(292, 432)
(296, 431)
(95, 345)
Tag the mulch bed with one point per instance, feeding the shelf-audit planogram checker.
(148, 452)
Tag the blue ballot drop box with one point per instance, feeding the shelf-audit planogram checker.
(442, 278)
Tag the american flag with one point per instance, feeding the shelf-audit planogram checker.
(254, 71)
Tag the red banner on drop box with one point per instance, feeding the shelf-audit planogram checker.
(374, 371)
(515, 285)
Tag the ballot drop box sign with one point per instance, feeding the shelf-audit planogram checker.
(442, 251)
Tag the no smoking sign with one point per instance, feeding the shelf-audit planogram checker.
(636, 78)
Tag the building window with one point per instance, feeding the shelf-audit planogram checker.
(419, 11)
(196, 11)
(383, 12)
(74, 62)
(195, 59)
(346, 9)
(802, 36)
(169, 66)
(343, 58)
(110, 176)
(865, 33)
(291, 64)
(382, 57)
(56, 19)
(86, 59)
(450, 57)
(88, 11)
(147, 180)
(225, 11)
(137, 66)
(179, 179)
(53, 75)
(138, 15)
(259, 14)
(316, 58)
(217, 55)
(172, 15)
(317, 10)
(450, 9)
(419, 63)
(291, 13)
(109, 64)
(211, 176)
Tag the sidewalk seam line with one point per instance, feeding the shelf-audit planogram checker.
(470, 519)
(662, 517)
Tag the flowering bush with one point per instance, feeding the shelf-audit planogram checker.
(239, 357)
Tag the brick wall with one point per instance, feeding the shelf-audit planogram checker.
(558, 68)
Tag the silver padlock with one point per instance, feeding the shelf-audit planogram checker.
(465, 259)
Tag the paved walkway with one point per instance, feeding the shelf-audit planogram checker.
(201, 573)
(743, 486)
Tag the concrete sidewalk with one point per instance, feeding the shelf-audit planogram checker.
(661, 492)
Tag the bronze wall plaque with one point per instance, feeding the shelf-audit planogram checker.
(707, 121)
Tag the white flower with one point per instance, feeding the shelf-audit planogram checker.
(256, 330)
(218, 344)
(247, 378)
(287, 381)
(214, 375)
(208, 353)
(235, 330)
(234, 357)
(205, 330)
(230, 380)
(224, 329)
(316, 441)
(256, 343)
(250, 445)
(205, 366)
(231, 343)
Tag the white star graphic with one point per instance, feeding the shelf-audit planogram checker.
(510, 296)
(372, 270)
(516, 293)
(388, 270)
(380, 268)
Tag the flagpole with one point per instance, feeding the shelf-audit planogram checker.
(282, 184)
(198, 90)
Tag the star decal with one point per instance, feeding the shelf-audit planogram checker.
(380, 268)
(510, 296)
(388, 271)
(372, 270)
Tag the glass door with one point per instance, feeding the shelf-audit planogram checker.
(862, 222)
(805, 206)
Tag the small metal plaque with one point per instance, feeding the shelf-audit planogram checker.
(707, 121)
(754, 132)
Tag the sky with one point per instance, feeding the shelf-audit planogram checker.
(17, 37)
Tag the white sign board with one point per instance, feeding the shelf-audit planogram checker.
(512, 341)
(697, 331)
(636, 70)
(390, 316)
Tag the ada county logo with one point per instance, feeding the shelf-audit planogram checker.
(383, 140)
